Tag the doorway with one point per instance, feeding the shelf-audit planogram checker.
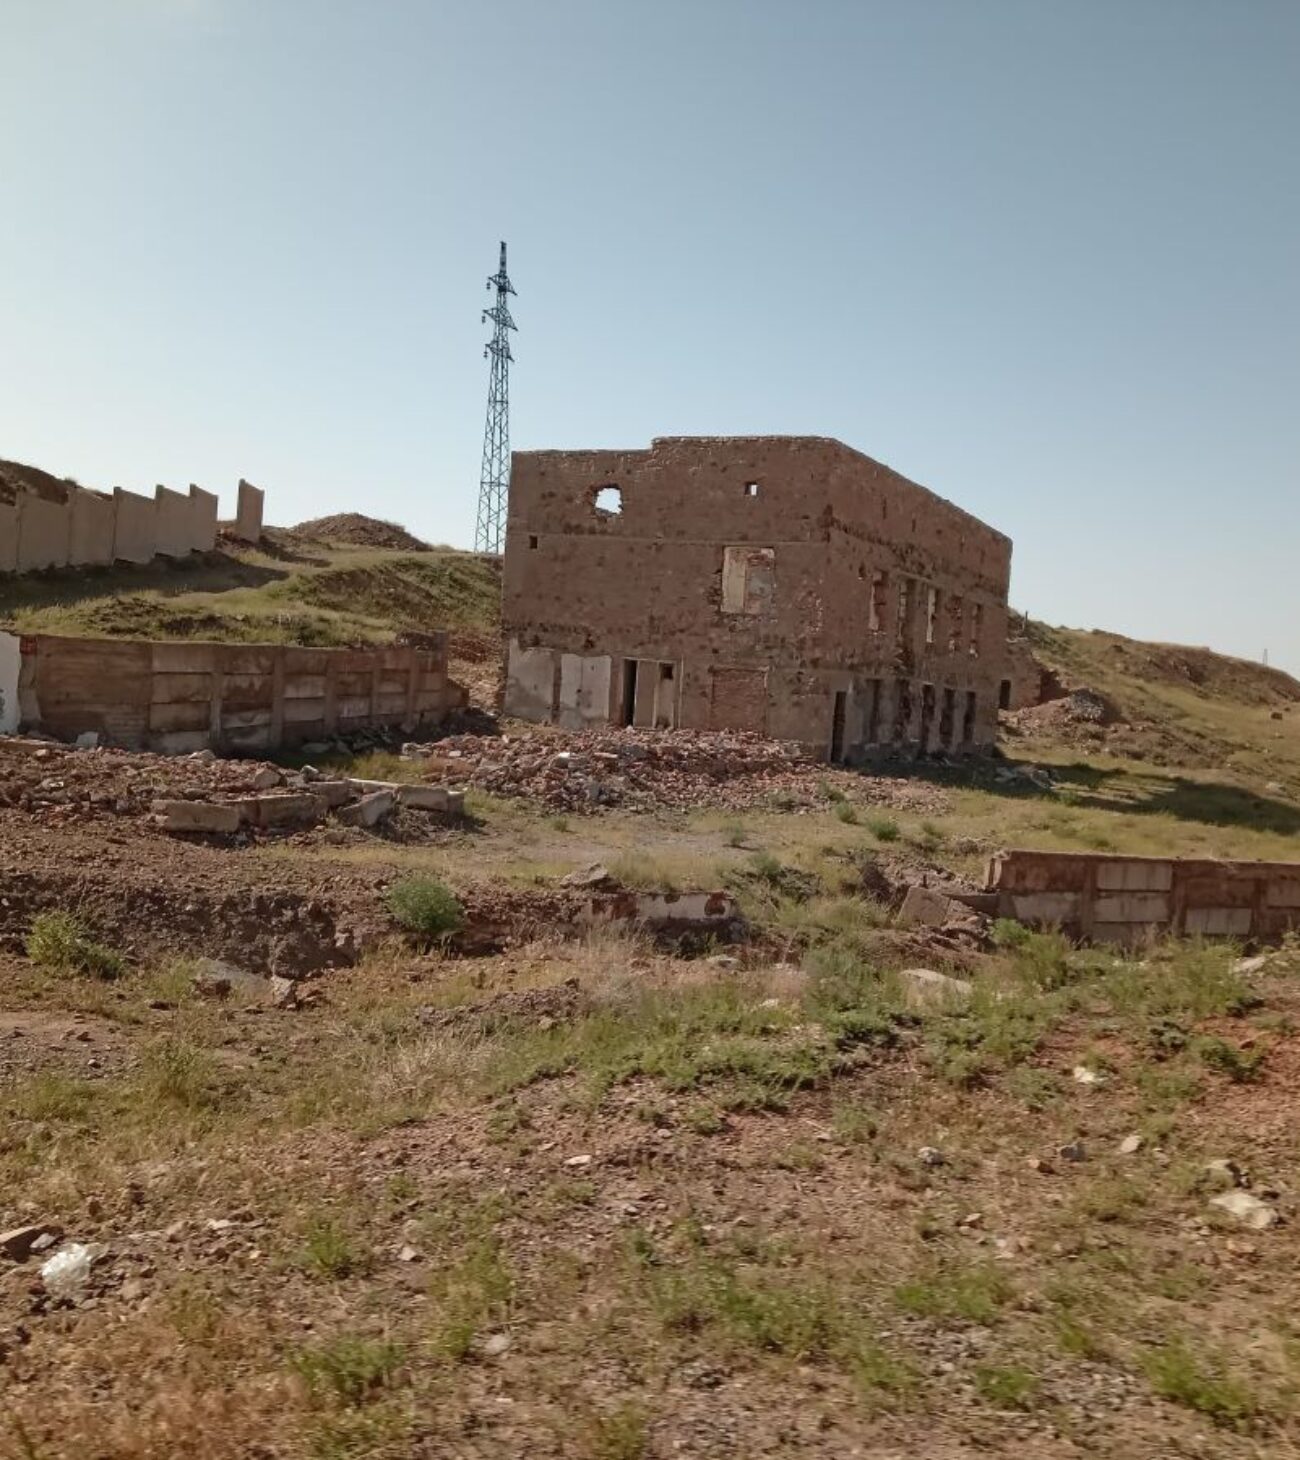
(838, 716)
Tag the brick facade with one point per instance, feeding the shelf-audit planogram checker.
(786, 585)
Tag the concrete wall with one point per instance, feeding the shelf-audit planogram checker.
(55, 525)
(1128, 900)
(793, 569)
(8, 534)
(177, 697)
(10, 665)
(248, 512)
(135, 528)
(44, 531)
(91, 537)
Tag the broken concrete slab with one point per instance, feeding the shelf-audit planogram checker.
(928, 907)
(333, 793)
(369, 811)
(432, 798)
(300, 808)
(202, 816)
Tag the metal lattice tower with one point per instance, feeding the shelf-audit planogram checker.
(494, 480)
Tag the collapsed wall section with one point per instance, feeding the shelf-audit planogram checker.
(1129, 900)
(180, 697)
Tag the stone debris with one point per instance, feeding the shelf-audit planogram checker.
(215, 979)
(1249, 1210)
(1072, 1151)
(58, 785)
(642, 769)
(1130, 1145)
(925, 988)
(1085, 1076)
(20, 1243)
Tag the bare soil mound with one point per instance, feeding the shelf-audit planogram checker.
(360, 531)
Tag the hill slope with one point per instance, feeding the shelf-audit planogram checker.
(1164, 704)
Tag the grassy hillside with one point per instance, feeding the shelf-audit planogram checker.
(1174, 706)
(288, 591)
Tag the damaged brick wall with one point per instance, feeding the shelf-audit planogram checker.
(787, 585)
(178, 697)
(1116, 899)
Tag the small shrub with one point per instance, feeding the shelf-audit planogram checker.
(1240, 1065)
(883, 828)
(846, 813)
(620, 1435)
(58, 942)
(426, 907)
(1177, 1374)
(734, 834)
(832, 793)
(329, 1250)
(349, 1369)
(974, 1294)
(1006, 1387)
(177, 1072)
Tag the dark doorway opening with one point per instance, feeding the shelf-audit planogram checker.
(838, 715)
(927, 716)
(1004, 695)
(629, 691)
(968, 721)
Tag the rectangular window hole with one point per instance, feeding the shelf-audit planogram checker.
(751, 489)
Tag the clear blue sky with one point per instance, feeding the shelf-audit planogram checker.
(1042, 256)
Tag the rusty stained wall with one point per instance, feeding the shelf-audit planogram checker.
(1127, 900)
(765, 574)
(178, 697)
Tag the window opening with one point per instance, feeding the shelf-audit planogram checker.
(608, 500)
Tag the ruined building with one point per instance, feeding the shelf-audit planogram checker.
(786, 585)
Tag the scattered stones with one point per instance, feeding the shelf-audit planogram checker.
(578, 1161)
(1224, 1172)
(1247, 1208)
(267, 778)
(1246, 966)
(215, 979)
(496, 1344)
(1130, 1145)
(925, 988)
(930, 1156)
(19, 1243)
(1085, 1076)
(1072, 1151)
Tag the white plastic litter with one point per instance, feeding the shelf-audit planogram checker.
(67, 1272)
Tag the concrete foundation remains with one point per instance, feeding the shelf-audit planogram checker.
(1116, 899)
(788, 586)
(179, 697)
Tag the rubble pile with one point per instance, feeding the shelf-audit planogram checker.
(58, 785)
(642, 770)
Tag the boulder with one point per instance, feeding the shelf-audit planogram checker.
(925, 988)
(369, 811)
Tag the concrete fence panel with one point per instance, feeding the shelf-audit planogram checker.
(8, 537)
(91, 538)
(135, 528)
(172, 513)
(44, 531)
(203, 520)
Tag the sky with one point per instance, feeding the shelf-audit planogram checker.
(1042, 256)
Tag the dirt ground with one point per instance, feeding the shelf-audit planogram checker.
(565, 1193)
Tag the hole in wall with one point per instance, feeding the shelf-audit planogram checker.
(608, 500)
(751, 489)
(532, 542)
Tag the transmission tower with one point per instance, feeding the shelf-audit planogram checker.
(494, 481)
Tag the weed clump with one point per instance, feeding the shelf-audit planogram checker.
(59, 943)
(426, 907)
